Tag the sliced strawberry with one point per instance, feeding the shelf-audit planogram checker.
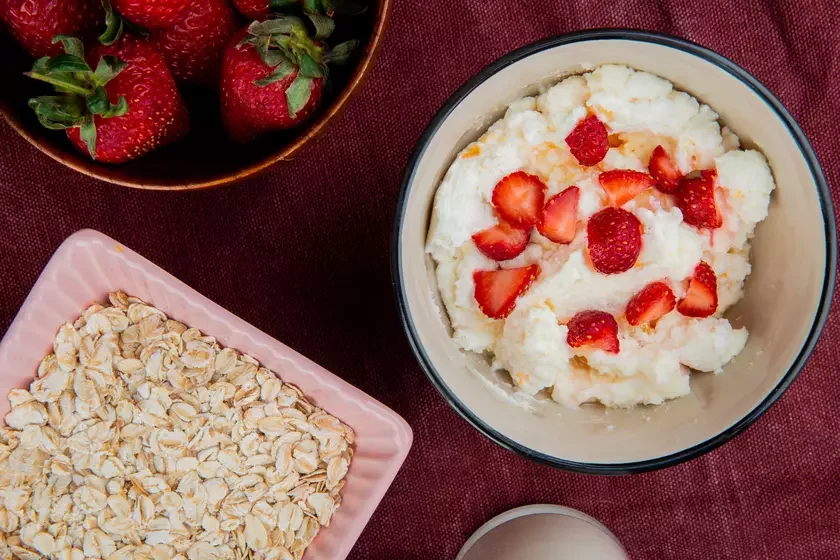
(519, 199)
(622, 185)
(501, 242)
(589, 141)
(696, 200)
(664, 171)
(594, 329)
(559, 217)
(701, 298)
(614, 237)
(654, 301)
(496, 290)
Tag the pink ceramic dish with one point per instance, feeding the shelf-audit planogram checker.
(89, 264)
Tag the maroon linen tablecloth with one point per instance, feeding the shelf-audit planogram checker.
(303, 253)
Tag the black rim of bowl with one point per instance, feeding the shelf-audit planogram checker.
(807, 152)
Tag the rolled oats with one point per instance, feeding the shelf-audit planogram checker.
(143, 438)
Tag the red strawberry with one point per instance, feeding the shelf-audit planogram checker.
(664, 171)
(696, 200)
(559, 217)
(125, 108)
(701, 298)
(152, 13)
(589, 141)
(254, 9)
(34, 23)
(194, 46)
(496, 290)
(275, 87)
(501, 242)
(622, 185)
(594, 329)
(519, 199)
(654, 301)
(614, 236)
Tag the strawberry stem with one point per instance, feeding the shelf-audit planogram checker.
(82, 88)
(63, 85)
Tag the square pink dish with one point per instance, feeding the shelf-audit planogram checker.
(89, 264)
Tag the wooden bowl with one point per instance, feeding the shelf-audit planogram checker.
(206, 158)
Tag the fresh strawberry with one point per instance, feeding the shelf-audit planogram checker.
(34, 23)
(496, 290)
(519, 199)
(623, 185)
(152, 13)
(614, 237)
(589, 141)
(654, 301)
(262, 9)
(125, 108)
(696, 200)
(593, 329)
(278, 85)
(254, 9)
(701, 298)
(194, 46)
(501, 242)
(559, 217)
(664, 171)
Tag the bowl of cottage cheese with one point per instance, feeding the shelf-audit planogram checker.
(613, 251)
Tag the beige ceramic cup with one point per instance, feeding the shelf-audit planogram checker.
(787, 295)
(542, 532)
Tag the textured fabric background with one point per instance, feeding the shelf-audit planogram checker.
(303, 253)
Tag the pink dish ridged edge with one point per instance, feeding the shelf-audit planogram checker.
(89, 264)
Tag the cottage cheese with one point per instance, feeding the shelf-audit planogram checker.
(641, 111)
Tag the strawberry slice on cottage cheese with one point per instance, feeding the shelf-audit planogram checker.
(592, 240)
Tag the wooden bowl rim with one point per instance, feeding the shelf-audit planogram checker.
(331, 112)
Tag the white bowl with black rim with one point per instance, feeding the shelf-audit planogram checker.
(788, 294)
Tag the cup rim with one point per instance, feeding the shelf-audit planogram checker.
(722, 63)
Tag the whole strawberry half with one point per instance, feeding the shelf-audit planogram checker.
(125, 107)
(262, 9)
(273, 76)
(194, 46)
(34, 23)
(152, 13)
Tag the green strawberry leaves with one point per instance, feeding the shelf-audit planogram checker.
(67, 63)
(57, 112)
(283, 69)
(298, 94)
(107, 69)
(340, 53)
(114, 25)
(82, 91)
(72, 45)
(285, 45)
(323, 25)
(309, 68)
(87, 133)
